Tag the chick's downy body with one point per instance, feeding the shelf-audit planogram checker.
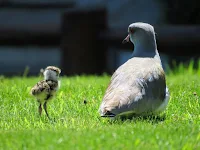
(45, 90)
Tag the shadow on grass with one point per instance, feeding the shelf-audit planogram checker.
(151, 119)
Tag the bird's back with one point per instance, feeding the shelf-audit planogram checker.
(137, 86)
(44, 90)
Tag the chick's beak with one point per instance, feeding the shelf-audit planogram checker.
(127, 39)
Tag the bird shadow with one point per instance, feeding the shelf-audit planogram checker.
(154, 119)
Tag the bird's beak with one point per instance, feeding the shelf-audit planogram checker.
(127, 39)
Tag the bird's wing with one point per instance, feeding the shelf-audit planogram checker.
(133, 87)
(40, 87)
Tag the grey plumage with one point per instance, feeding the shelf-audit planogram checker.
(45, 90)
(138, 86)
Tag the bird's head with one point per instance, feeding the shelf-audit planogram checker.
(139, 31)
(51, 73)
(142, 35)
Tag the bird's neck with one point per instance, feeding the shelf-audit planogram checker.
(146, 48)
(50, 78)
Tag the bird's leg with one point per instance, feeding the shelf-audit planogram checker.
(45, 109)
(40, 109)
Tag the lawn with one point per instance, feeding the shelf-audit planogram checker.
(75, 125)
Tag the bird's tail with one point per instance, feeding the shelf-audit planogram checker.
(33, 92)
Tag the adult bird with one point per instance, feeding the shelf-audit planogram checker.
(138, 87)
(45, 90)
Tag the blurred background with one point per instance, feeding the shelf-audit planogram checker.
(84, 36)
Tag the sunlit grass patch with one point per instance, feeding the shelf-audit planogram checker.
(76, 123)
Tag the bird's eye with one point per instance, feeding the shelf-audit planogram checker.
(131, 30)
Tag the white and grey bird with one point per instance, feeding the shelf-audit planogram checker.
(138, 87)
(45, 90)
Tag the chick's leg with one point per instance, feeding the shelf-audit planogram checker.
(40, 109)
(45, 109)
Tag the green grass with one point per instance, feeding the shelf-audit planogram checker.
(78, 126)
